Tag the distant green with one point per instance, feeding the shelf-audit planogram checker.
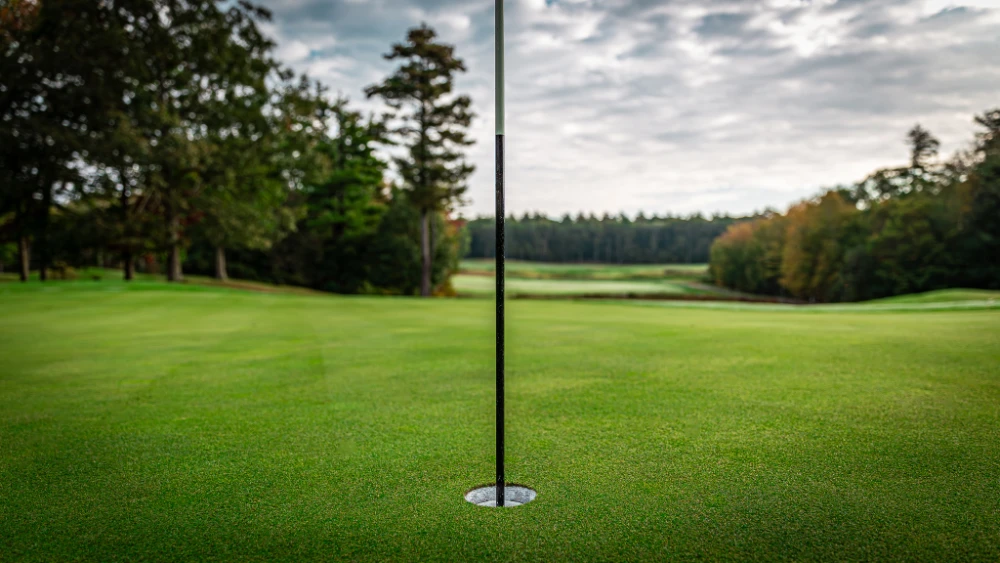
(149, 422)
(521, 268)
(485, 285)
(475, 278)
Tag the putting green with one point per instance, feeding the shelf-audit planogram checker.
(150, 422)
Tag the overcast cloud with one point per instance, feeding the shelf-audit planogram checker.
(680, 106)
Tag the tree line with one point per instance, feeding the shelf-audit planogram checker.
(928, 225)
(157, 134)
(608, 239)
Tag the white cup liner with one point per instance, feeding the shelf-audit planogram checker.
(514, 495)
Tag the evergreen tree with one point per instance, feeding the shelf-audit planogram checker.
(431, 122)
(923, 146)
(345, 203)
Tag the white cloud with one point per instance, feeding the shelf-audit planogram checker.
(684, 105)
(293, 51)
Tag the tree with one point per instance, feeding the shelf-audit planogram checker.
(252, 213)
(652, 241)
(345, 202)
(394, 255)
(431, 122)
(193, 73)
(908, 244)
(923, 146)
(50, 105)
(980, 229)
(920, 175)
(988, 142)
(901, 230)
(260, 155)
(814, 247)
(748, 255)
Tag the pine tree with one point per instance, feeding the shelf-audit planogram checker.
(432, 123)
(923, 146)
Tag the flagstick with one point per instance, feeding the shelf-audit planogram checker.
(499, 250)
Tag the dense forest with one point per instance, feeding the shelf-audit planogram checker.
(159, 136)
(928, 225)
(610, 239)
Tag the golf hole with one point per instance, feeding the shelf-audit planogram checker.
(514, 495)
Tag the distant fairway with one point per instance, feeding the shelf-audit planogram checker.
(613, 280)
(944, 295)
(548, 270)
(156, 422)
(485, 285)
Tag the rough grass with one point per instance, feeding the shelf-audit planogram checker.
(154, 423)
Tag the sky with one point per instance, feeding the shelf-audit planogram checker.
(677, 106)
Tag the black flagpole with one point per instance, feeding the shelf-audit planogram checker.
(499, 249)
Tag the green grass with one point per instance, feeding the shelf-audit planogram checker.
(88, 276)
(569, 280)
(547, 270)
(879, 306)
(944, 296)
(485, 285)
(150, 422)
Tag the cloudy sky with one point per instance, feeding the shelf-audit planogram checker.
(679, 105)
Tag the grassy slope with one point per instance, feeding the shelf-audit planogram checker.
(146, 422)
(520, 268)
(541, 278)
(880, 306)
(485, 285)
(943, 296)
(87, 276)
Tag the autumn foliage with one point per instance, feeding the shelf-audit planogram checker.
(900, 230)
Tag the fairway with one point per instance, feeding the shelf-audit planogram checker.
(486, 285)
(590, 271)
(543, 279)
(151, 422)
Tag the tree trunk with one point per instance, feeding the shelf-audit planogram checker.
(151, 263)
(42, 238)
(431, 239)
(24, 257)
(425, 254)
(220, 264)
(128, 260)
(128, 264)
(174, 272)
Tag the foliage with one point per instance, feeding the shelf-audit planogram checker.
(51, 107)
(431, 122)
(812, 252)
(612, 240)
(922, 227)
(159, 131)
(749, 255)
